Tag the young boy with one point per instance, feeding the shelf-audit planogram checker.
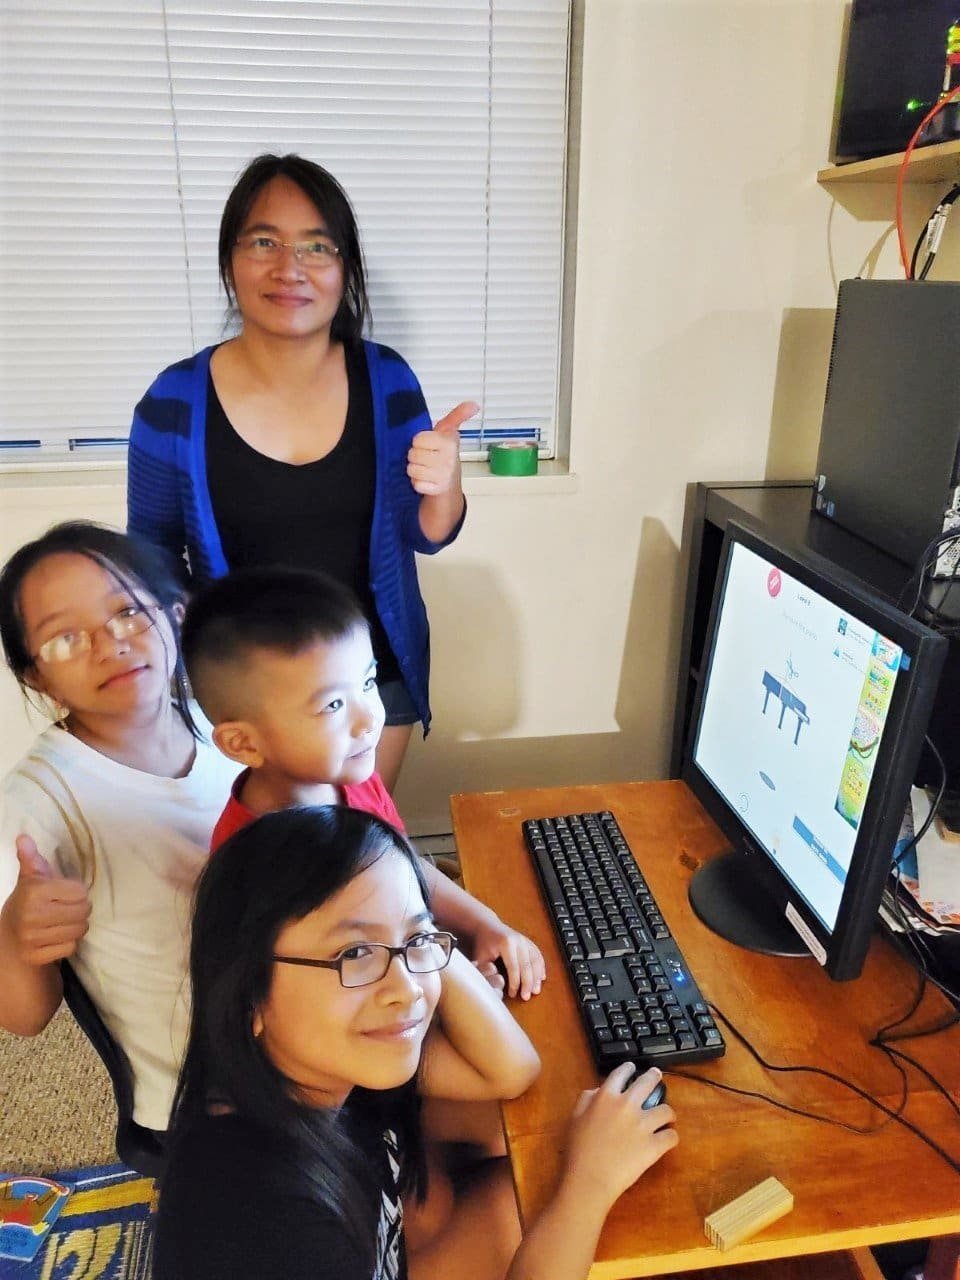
(281, 663)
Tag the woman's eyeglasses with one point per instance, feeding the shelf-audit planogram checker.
(318, 252)
(68, 645)
(368, 962)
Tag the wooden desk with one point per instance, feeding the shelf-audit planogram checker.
(849, 1190)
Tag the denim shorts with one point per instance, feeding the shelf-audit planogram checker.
(397, 703)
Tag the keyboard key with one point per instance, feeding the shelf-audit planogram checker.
(617, 947)
(654, 1046)
(588, 939)
(595, 1014)
(618, 1051)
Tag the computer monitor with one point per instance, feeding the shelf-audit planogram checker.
(813, 700)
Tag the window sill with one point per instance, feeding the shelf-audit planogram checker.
(63, 469)
(23, 487)
(552, 477)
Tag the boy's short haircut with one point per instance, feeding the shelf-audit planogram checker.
(254, 610)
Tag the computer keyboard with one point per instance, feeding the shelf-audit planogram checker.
(637, 997)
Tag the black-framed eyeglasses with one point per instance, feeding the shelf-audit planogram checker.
(368, 962)
(318, 252)
(128, 621)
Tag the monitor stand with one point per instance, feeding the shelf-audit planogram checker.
(726, 896)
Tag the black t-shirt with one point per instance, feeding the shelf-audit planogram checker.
(314, 516)
(232, 1206)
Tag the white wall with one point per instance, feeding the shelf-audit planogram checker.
(707, 265)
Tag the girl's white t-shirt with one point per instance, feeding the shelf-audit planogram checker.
(138, 842)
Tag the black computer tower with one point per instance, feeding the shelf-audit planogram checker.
(892, 75)
(889, 461)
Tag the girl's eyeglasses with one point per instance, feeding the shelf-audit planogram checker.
(368, 962)
(68, 645)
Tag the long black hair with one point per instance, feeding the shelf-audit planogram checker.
(276, 870)
(333, 204)
(142, 568)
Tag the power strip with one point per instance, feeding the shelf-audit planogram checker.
(949, 553)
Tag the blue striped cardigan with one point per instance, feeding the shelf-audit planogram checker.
(168, 498)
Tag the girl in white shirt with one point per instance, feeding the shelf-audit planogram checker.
(106, 821)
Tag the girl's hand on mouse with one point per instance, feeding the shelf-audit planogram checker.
(612, 1119)
(521, 958)
(47, 914)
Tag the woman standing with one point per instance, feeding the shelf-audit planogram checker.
(299, 443)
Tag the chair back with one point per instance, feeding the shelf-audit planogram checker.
(141, 1149)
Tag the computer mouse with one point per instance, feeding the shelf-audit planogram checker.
(655, 1097)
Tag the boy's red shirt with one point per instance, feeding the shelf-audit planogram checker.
(370, 796)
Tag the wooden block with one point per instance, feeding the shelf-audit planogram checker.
(748, 1214)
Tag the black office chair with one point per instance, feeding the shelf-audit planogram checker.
(137, 1147)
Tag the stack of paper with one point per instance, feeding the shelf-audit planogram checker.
(929, 879)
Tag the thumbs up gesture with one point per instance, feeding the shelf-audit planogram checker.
(433, 460)
(47, 914)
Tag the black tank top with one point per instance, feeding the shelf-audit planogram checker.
(313, 516)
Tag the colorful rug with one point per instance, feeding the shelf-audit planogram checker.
(102, 1233)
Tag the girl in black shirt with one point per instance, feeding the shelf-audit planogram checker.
(325, 1004)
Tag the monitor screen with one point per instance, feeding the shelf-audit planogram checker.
(813, 702)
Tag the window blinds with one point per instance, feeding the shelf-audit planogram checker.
(123, 126)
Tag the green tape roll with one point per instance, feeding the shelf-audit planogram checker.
(513, 458)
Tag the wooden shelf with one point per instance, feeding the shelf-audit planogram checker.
(937, 163)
